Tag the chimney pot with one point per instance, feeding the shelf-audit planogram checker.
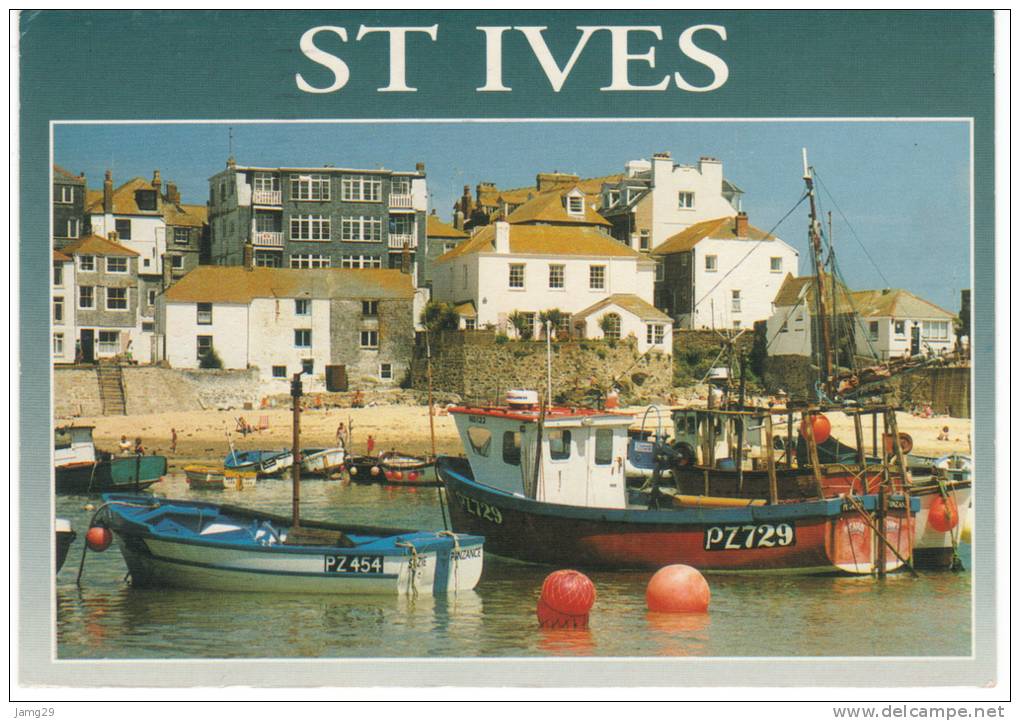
(108, 192)
(420, 167)
(157, 181)
(112, 235)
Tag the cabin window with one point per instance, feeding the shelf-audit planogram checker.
(559, 445)
(692, 425)
(480, 440)
(512, 448)
(61, 438)
(603, 446)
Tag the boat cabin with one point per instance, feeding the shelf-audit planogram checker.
(73, 444)
(582, 451)
(712, 437)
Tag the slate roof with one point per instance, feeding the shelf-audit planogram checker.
(895, 303)
(236, 284)
(631, 303)
(554, 240)
(466, 310)
(65, 174)
(97, 245)
(60, 257)
(492, 197)
(716, 229)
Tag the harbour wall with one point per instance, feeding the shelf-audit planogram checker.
(481, 366)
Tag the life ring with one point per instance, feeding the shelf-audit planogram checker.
(684, 453)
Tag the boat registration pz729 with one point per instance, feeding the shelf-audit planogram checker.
(354, 564)
(738, 538)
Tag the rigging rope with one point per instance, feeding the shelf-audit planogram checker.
(851, 227)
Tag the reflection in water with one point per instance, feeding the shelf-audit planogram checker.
(819, 616)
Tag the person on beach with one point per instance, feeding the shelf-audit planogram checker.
(944, 435)
(139, 449)
(370, 443)
(124, 446)
(341, 434)
(173, 440)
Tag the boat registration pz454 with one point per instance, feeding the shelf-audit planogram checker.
(762, 535)
(354, 564)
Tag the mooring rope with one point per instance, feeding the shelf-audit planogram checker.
(456, 556)
(956, 564)
(412, 584)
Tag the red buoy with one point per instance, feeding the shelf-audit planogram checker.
(398, 475)
(678, 589)
(566, 600)
(819, 424)
(98, 538)
(943, 514)
(412, 475)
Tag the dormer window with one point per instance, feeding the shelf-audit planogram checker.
(575, 203)
(146, 199)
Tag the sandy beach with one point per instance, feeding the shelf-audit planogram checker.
(202, 436)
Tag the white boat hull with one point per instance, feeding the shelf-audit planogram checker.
(324, 463)
(930, 543)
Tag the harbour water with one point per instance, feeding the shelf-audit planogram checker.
(749, 615)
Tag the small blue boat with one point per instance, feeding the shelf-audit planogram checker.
(265, 463)
(209, 546)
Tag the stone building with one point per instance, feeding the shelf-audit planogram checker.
(325, 217)
(340, 326)
(105, 286)
(68, 206)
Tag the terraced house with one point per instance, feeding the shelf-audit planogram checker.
(68, 206)
(324, 217)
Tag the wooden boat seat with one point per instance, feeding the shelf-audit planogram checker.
(687, 501)
(304, 536)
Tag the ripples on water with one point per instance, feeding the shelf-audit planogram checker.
(749, 616)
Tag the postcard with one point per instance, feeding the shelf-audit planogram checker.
(507, 348)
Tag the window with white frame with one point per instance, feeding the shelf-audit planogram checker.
(86, 263)
(370, 339)
(361, 261)
(302, 306)
(73, 227)
(151, 297)
(267, 181)
(302, 337)
(123, 227)
(203, 313)
(58, 274)
(86, 296)
(109, 342)
(711, 263)
(58, 344)
(735, 301)
(400, 185)
(655, 333)
(58, 310)
(660, 271)
(516, 276)
(182, 236)
(370, 308)
(470, 323)
(386, 371)
(268, 259)
(177, 262)
(116, 298)
(203, 346)
(66, 194)
(645, 240)
(597, 277)
(310, 260)
(355, 188)
(575, 204)
(309, 187)
(685, 200)
(279, 371)
(900, 327)
(776, 264)
(148, 326)
(556, 276)
(361, 228)
(935, 329)
(610, 324)
(309, 227)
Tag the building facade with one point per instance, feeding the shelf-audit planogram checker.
(68, 207)
(327, 323)
(440, 238)
(328, 217)
(894, 323)
(63, 299)
(721, 273)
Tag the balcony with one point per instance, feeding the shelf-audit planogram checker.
(402, 201)
(266, 197)
(267, 239)
(397, 240)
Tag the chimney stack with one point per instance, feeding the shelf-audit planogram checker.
(112, 235)
(420, 167)
(502, 237)
(741, 225)
(157, 181)
(172, 194)
(248, 259)
(108, 192)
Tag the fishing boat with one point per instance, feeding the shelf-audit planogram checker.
(947, 477)
(264, 463)
(81, 469)
(548, 485)
(365, 469)
(65, 536)
(323, 462)
(208, 546)
(392, 469)
(201, 477)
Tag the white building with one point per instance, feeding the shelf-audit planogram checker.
(894, 323)
(353, 324)
(64, 296)
(722, 273)
(657, 199)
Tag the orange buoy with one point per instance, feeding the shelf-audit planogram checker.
(98, 538)
(566, 600)
(398, 475)
(943, 514)
(819, 424)
(678, 589)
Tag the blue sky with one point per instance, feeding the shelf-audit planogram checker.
(903, 187)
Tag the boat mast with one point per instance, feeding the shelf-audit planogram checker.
(815, 235)
(295, 469)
